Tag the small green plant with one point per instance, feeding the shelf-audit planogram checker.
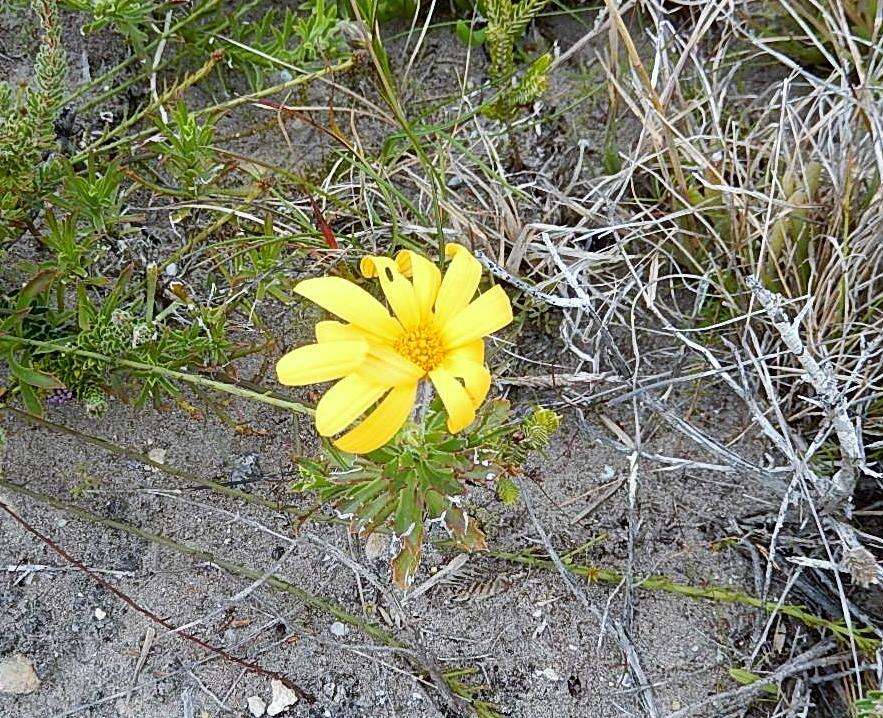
(128, 17)
(506, 23)
(508, 491)
(419, 477)
(186, 149)
(95, 196)
(257, 263)
(318, 32)
(871, 706)
(72, 251)
(28, 168)
(284, 40)
(87, 482)
(24, 315)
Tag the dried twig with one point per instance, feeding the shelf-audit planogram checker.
(832, 401)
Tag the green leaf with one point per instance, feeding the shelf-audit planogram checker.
(38, 284)
(746, 678)
(116, 293)
(31, 376)
(85, 310)
(409, 512)
(370, 509)
(361, 496)
(30, 400)
(435, 504)
(468, 34)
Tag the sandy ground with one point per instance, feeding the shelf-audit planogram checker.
(535, 646)
(537, 649)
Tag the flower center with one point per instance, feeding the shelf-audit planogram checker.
(422, 345)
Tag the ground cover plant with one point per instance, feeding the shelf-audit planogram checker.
(381, 358)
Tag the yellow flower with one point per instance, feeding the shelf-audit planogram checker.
(436, 330)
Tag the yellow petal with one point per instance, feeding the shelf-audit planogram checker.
(313, 363)
(426, 278)
(458, 403)
(384, 365)
(381, 424)
(344, 402)
(459, 283)
(490, 312)
(351, 303)
(475, 375)
(399, 292)
(334, 331)
(473, 351)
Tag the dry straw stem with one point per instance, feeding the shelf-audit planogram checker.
(828, 394)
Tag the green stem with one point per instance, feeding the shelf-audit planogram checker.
(170, 373)
(720, 594)
(169, 94)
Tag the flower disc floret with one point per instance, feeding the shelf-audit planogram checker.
(422, 345)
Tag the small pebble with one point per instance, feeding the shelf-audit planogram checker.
(338, 629)
(283, 698)
(256, 706)
(376, 545)
(100, 614)
(17, 675)
(550, 674)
